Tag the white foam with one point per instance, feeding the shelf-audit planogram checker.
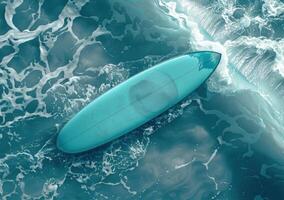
(274, 8)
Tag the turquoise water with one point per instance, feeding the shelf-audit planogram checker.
(224, 141)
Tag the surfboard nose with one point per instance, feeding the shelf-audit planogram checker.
(207, 59)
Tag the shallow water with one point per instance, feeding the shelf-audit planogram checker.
(224, 141)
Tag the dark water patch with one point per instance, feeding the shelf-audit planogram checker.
(28, 54)
(33, 185)
(8, 187)
(97, 8)
(50, 11)
(20, 100)
(3, 90)
(223, 104)
(231, 137)
(5, 145)
(248, 125)
(117, 28)
(25, 13)
(32, 106)
(4, 28)
(83, 27)
(62, 52)
(278, 27)
(32, 93)
(5, 51)
(32, 78)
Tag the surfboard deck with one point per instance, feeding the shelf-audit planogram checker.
(136, 101)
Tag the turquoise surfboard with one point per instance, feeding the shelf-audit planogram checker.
(137, 100)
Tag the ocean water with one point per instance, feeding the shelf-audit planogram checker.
(224, 141)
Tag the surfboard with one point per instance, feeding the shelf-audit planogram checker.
(136, 101)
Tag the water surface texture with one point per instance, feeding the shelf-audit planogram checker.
(224, 141)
